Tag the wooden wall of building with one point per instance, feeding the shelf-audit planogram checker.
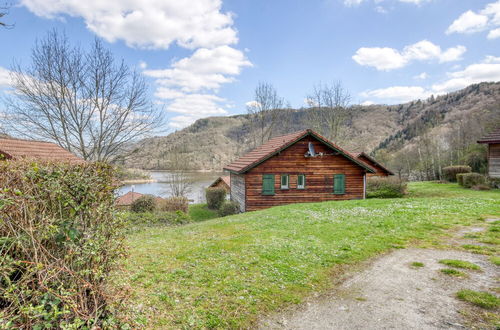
(494, 160)
(319, 172)
(238, 190)
(379, 171)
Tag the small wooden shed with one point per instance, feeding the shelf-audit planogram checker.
(296, 168)
(222, 182)
(493, 142)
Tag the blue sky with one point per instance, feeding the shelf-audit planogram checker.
(205, 57)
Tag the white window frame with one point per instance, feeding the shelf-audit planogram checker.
(287, 186)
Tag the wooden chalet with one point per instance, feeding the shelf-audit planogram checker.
(296, 168)
(15, 149)
(493, 142)
(222, 182)
(380, 170)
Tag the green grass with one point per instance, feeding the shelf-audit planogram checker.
(495, 260)
(417, 264)
(200, 212)
(453, 272)
(459, 264)
(228, 271)
(479, 298)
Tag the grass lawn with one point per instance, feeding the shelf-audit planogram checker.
(227, 271)
(200, 212)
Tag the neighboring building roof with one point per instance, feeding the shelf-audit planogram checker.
(130, 197)
(226, 179)
(277, 144)
(360, 155)
(17, 149)
(493, 137)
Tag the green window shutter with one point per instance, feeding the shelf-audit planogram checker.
(268, 184)
(339, 184)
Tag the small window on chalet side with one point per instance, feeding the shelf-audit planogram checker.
(285, 181)
(268, 184)
(301, 181)
(339, 184)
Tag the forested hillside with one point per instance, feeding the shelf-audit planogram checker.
(415, 139)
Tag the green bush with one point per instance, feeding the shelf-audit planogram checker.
(215, 197)
(473, 179)
(385, 187)
(450, 172)
(145, 203)
(174, 204)
(157, 218)
(494, 183)
(460, 179)
(229, 208)
(59, 242)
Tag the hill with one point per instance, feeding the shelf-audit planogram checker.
(383, 130)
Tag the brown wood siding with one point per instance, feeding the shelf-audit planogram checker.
(238, 190)
(319, 172)
(379, 171)
(494, 160)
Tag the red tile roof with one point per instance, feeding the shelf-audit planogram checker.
(130, 197)
(277, 144)
(17, 148)
(493, 137)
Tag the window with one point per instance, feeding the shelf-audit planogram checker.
(301, 181)
(339, 184)
(285, 181)
(268, 184)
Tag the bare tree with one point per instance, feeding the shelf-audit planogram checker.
(179, 181)
(4, 11)
(329, 109)
(85, 101)
(263, 111)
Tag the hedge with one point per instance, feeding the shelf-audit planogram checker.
(59, 242)
(174, 204)
(450, 172)
(157, 218)
(385, 187)
(145, 203)
(229, 208)
(472, 179)
(215, 197)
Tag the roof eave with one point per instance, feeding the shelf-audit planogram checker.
(376, 162)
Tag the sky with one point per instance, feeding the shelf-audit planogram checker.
(205, 57)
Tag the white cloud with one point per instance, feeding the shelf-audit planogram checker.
(5, 80)
(421, 76)
(390, 58)
(143, 65)
(493, 34)
(147, 23)
(471, 22)
(367, 103)
(195, 106)
(206, 69)
(352, 3)
(486, 71)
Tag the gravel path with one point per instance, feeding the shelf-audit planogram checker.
(391, 294)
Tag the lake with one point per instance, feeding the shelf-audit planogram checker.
(201, 180)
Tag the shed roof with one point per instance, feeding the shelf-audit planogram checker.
(493, 137)
(360, 155)
(130, 197)
(226, 179)
(18, 148)
(277, 144)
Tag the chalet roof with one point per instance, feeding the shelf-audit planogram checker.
(277, 144)
(18, 148)
(360, 155)
(226, 179)
(130, 197)
(493, 137)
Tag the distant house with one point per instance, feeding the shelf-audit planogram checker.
(296, 168)
(14, 149)
(222, 182)
(493, 142)
(126, 200)
(380, 170)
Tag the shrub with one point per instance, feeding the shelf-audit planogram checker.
(145, 203)
(215, 197)
(385, 187)
(229, 208)
(157, 218)
(59, 241)
(460, 179)
(473, 179)
(174, 204)
(494, 183)
(450, 172)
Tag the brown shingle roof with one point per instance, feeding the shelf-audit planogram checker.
(130, 197)
(493, 137)
(226, 179)
(17, 148)
(360, 155)
(277, 144)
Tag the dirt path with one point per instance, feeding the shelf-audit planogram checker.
(391, 294)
